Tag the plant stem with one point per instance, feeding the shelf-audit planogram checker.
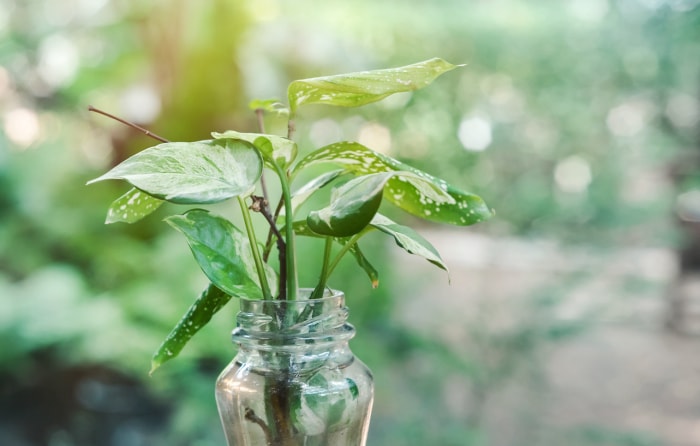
(278, 403)
(259, 114)
(318, 291)
(344, 250)
(261, 205)
(249, 415)
(291, 128)
(130, 124)
(254, 248)
(268, 242)
(290, 261)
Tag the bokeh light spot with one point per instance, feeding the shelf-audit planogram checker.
(140, 103)
(475, 133)
(325, 131)
(683, 110)
(629, 118)
(58, 61)
(375, 136)
(22, 126)
(573, 174)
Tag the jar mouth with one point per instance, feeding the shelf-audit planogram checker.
(304, 297)
(301, 318)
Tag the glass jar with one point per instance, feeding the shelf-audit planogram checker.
(294, 381)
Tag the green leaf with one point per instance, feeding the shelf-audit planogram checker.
(223, 252)
(364, 264)
(356, 89)
(352, 206)
(352, 386)
(192, 172)
(421, 194)
(409, 240)
(327, 401)
(198, 315)
(274, 149)
(132, 207)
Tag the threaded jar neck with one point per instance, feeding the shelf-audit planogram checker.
(298, 322)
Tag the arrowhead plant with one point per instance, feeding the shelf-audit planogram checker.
(236, 166)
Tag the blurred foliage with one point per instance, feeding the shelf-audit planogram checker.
(567, 120)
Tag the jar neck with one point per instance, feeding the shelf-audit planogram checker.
(302, 322)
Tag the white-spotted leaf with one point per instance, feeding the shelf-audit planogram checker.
(352, 206)
(421, 194)
(408, 239)
(197, 316)
(192, 172)
(356, 89)
(132, 207)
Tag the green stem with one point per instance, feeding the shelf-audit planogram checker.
(290, 260)
(318, 291)
(254, 247)
(344, 251)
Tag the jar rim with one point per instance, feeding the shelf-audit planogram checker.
(304, 294)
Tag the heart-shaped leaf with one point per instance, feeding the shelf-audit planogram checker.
(274, 149)
(192, 172)
(198, 315)
(356, 89)
(132, 207)
(223, 252)
(352, 206)
(408, 239)
(438, 202)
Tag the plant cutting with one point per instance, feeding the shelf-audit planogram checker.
(294, 381)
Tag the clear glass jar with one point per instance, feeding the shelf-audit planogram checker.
(294, 381)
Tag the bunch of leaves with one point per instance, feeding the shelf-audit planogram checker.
(232, 165)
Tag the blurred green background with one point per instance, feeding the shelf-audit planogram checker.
(577, 121)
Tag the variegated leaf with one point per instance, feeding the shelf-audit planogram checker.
(352, 206)
(223, 252)
(198, 315)
(356, 89)
(408, 239)
(440, 202)
(192, 172)
(274, 149)
(132, 207)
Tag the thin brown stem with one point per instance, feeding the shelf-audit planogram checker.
(259, 114)
(291, 128)
(268, 242)
(250, 416)
(130, 124)
(261, 205)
